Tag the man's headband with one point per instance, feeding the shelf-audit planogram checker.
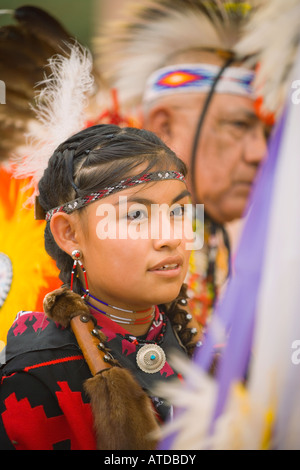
(82, 201)
(198, 78)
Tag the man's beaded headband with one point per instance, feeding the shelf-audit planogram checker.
(82, 201)
(198, 78)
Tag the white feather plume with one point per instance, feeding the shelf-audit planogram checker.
(241, 426)
(60, 109)
(195, 400)
(272, 37)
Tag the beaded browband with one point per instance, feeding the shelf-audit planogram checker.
(198, 78)
(82, 201)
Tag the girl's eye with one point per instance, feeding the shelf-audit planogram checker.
(137, 215)
(177, 211)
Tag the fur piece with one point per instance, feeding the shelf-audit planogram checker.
(124, 417)
(153, 31)
(61, 305)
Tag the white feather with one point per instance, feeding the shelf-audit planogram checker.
(272, 36)
(60, 109)
(194, 403)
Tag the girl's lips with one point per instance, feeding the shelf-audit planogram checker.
(170, 266)
(167, 272)
(169, 261)
(167, 267)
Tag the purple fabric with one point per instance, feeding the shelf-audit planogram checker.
(238, 307)
(236, 311)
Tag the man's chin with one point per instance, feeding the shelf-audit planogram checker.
(236, 211)
(229, 211)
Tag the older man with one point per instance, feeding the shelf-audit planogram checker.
(173, 66)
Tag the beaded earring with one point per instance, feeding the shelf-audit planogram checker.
(76, 256)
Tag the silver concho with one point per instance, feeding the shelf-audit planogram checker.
(151, 358)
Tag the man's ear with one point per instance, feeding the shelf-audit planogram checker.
(65, 231)
(159, 121)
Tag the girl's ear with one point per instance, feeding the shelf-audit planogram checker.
(65, 231)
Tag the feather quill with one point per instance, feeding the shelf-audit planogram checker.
(60, 109)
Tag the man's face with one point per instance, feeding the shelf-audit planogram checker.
(231, 146)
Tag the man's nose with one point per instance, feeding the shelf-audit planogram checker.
(255, 145)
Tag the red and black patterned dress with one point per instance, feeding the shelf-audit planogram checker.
(43, 405)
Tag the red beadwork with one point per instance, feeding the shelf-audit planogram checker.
(76, 255)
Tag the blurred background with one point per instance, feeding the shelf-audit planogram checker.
(80, 17)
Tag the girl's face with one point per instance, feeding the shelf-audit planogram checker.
(136, 244)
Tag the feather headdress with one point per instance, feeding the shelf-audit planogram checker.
(152, 32)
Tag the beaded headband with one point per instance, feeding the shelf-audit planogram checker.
(82, 201)
(198, 78)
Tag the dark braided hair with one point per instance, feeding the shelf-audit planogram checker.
(91, 160)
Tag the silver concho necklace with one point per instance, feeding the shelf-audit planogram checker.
(150, 358)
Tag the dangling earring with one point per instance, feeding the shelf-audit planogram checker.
(76, 256)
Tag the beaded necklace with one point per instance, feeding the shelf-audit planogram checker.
(123, 320)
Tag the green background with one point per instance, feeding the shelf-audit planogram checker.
(77, 16)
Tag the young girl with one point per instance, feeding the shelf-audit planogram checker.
(83, 376)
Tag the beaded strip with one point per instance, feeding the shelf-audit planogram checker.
(82, 201)
(198, 78)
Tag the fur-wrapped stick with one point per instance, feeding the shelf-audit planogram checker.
(124, 417)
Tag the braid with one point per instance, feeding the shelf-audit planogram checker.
(56, 176)
(180, 320)
(49, 198)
